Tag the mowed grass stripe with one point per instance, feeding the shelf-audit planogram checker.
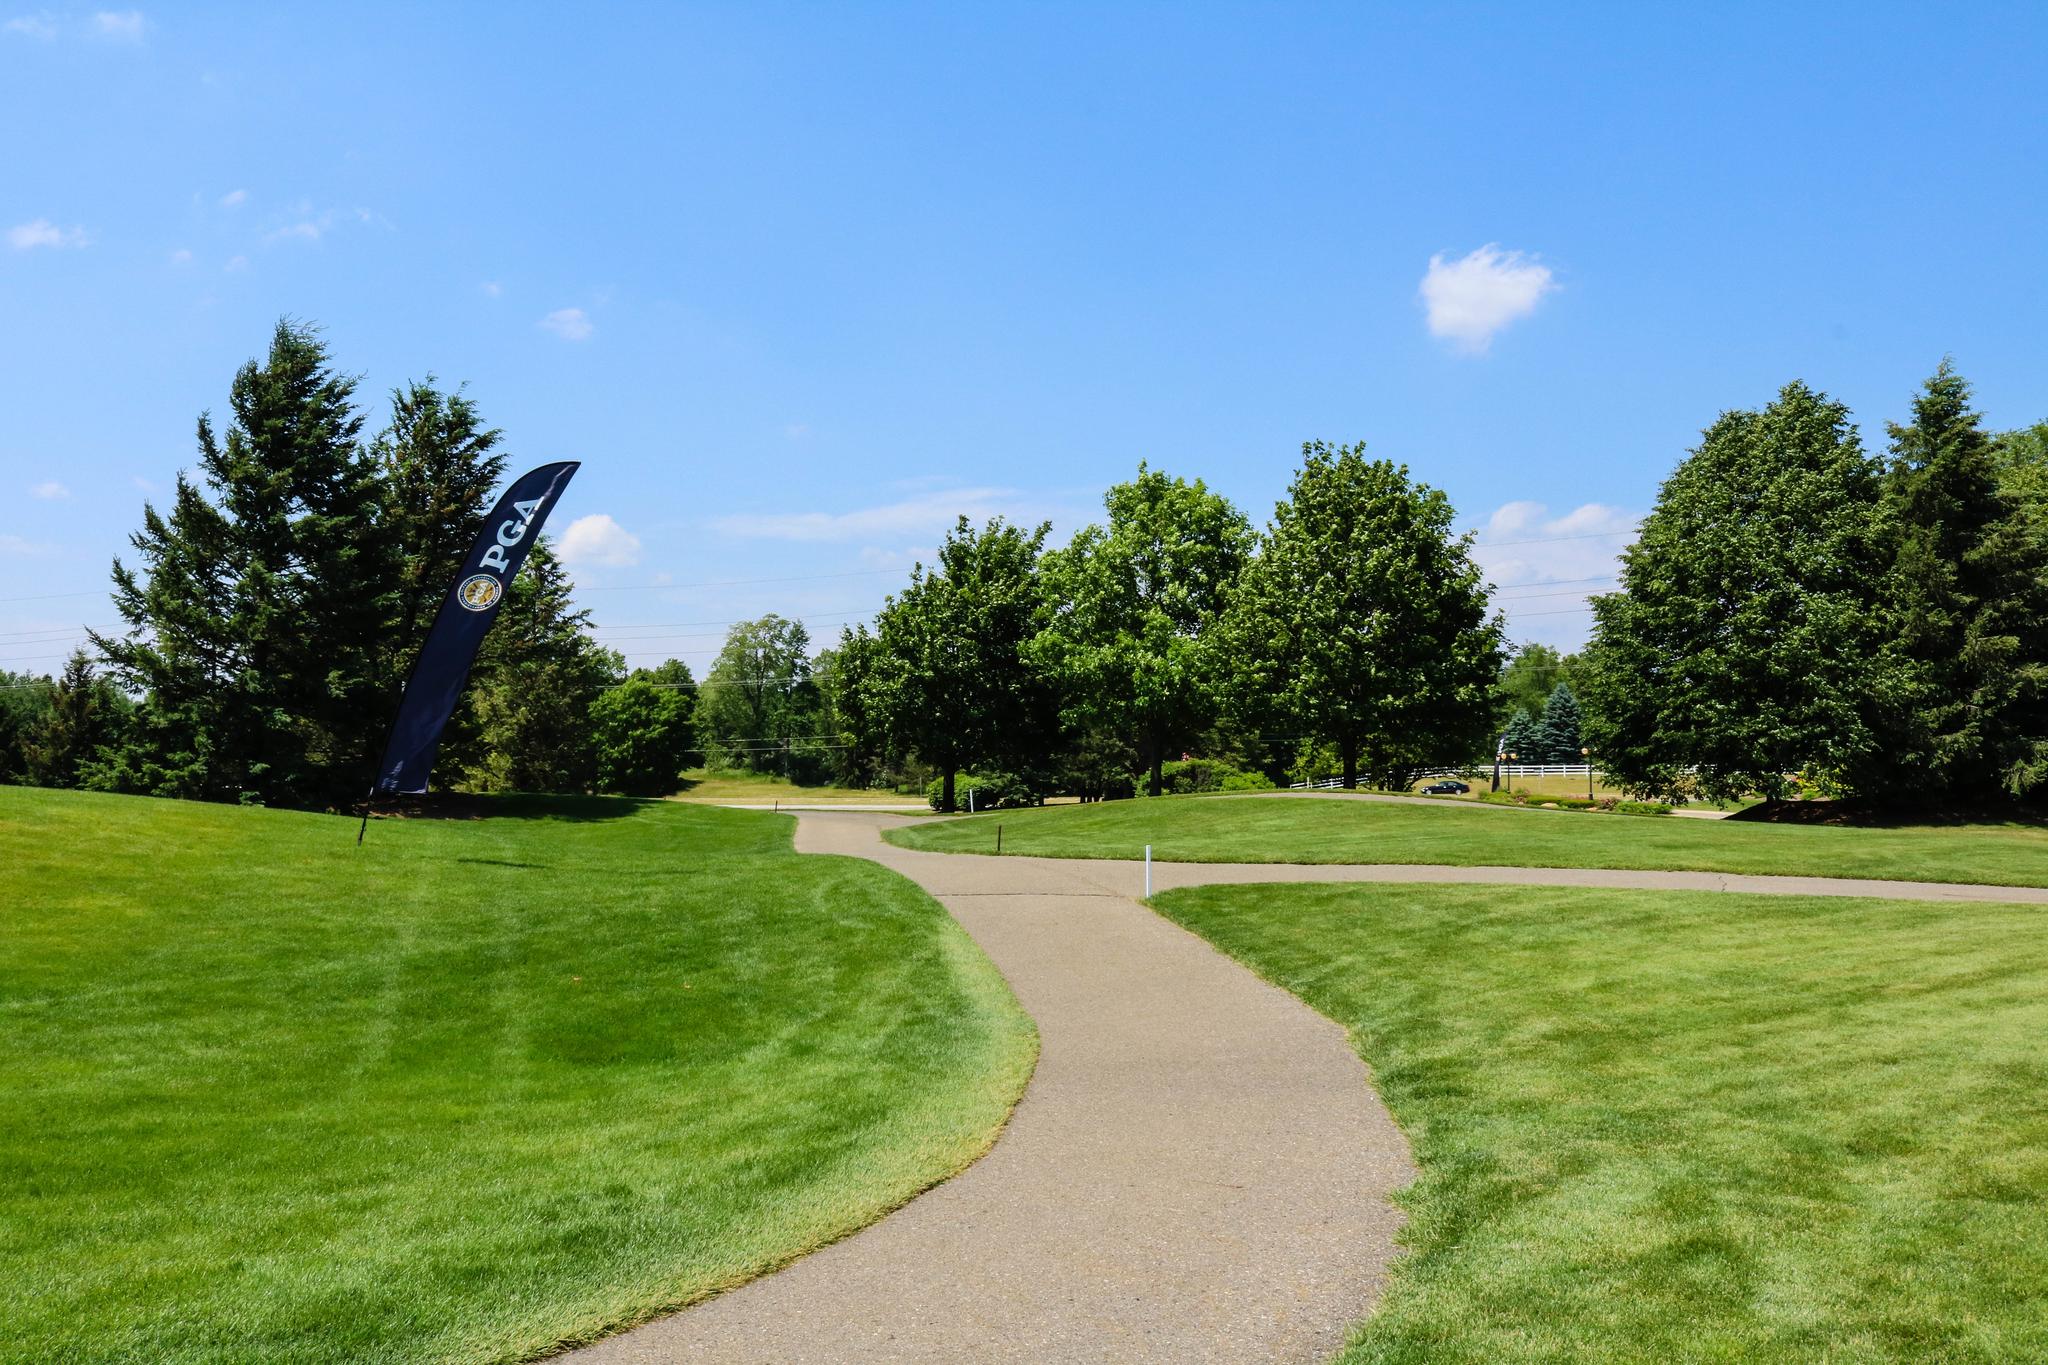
(1208, 829)
(1662, 1127)
(474, 1090)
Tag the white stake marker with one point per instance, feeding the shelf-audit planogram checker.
(1148, 872)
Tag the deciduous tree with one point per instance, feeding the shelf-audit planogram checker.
(1363, 620)
(1131, 607)
(1742, 647)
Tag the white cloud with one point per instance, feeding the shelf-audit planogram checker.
(597, 539)
(570, 324)
(1473, 297)
(182, 256)
(1544, 567)
(234, 199)
(491, 289)
(43, 232)
(15, 545)
(49, 490)
(38, 26)
(236, 264)
(121, 26)
(927, 515)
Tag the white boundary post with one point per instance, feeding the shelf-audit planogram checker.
(1148, 872)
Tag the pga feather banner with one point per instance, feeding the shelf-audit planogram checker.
(460, 626)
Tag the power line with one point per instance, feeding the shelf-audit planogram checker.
(1550, 540)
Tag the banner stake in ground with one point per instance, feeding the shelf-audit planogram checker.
(465, 617)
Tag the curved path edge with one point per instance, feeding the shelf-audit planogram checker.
(1199, 1169)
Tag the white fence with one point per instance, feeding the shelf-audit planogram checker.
(1482, 772)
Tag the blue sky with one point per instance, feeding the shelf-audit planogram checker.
(799, 283)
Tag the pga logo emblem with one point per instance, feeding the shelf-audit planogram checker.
(481, 591)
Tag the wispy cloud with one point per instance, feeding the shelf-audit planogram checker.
(182, 256)
(570, 324)
(15, 545)
(1472, 298)
(491, 289)
(43, 232)
(926, 515)
(120, 26)
(38, 26)
(234, 199)
(1544, 567)
(599, 540)
(49, 490)
(235, 265)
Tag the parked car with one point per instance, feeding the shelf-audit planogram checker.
(1446, 788)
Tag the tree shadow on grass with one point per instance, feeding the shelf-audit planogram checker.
(512, 806)
(1872, 815)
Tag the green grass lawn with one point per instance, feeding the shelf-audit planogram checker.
(1658, 1127)
(704, 784)
(476, 1089)
(1206, 829)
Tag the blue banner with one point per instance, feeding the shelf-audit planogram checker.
(464, 619)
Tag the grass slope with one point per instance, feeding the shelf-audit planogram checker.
(703, 784)
(1701, 1127)
(473, 1090)
(1315, 830)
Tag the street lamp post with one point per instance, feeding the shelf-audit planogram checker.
(1587, 754)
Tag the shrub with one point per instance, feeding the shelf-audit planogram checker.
(1642, 808)
(1187, 776)
(992, 791)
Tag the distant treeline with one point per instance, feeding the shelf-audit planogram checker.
(1797, 615)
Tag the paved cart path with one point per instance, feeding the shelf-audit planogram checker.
(1199, 1170)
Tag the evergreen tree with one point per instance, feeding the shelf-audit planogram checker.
(537, 681)
(1557, 738)
(438, 466)
(1363, 620)
(83, 714)
(1967, 608)
(1519, 741)
(1130, 611)
(255, 625)
(1743, 642)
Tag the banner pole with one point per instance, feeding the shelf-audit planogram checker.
(366, 816)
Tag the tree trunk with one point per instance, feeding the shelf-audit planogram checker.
(946, 793)
(1158, 761)
(1350, 765)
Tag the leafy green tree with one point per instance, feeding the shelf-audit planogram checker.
(1130, 610)
(953, 677)
(1967, 607)
(255, 626)
(1557, 732)
(1532, 673)
(1744, 639)
(758, 707)
(1363, 620)
(537, 681)
(851, 710)
(84, 713)
(643, 733)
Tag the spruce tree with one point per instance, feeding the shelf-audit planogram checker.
(536, 682)
(255, 621)
(1557, 733)
(83, 714)
(1518, 742)
(1966, 608)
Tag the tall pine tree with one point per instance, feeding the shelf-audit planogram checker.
(255, 621)
(1557, 732)
(1968, 611)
